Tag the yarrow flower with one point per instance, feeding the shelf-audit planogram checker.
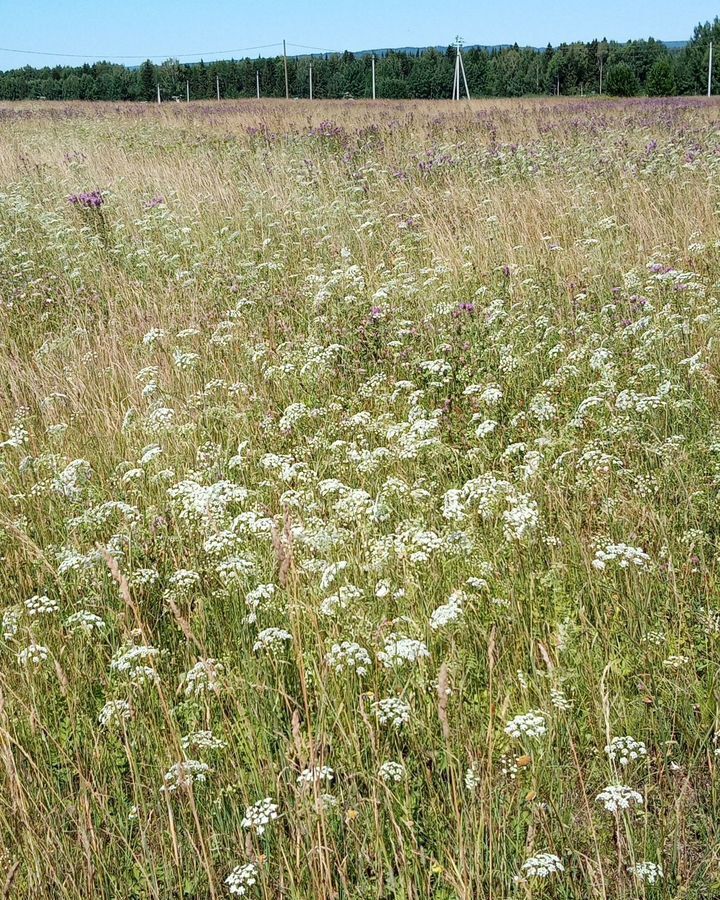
(203, 677)
(315, 774)
(84, 621)
(647, 871)
(622, 555)
(259, 815)
(349, 655)
(530, 724)
(392, 711)
(134, 662)
(448, 612)
(41, 605)
(625, 750)
(618, 796)
(400, 650)
(33, 654)
(472, 779)
(202, 740)
(241, 878)
(272, 639)
(542, 865)
(391, 771)
(184, 774)
(114, 713)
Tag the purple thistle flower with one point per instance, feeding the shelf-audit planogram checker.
(88, 199)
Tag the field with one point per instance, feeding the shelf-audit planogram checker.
(359, 521)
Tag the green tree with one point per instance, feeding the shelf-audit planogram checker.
(661, 78)
(148, 81)
(621, 81)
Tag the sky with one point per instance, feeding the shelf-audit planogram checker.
(132, 30)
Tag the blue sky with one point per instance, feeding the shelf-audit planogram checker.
(112, 29)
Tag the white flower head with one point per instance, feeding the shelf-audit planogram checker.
(259, 815)
(530, 724)
(241, 878)
(542, 865)
(616, 797)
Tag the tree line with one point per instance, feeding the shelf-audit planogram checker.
(638, 67)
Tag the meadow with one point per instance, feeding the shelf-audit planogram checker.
(359, 522)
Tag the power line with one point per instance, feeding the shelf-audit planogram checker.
(110, 56)
(319, 49)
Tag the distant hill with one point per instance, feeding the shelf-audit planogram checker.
(441, 48)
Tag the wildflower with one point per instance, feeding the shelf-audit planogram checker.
(11, 622)
(621, 554)
(349, 655)
(114, 713)
(85, 621)
(530, 724)
(392, 711)
(618, 796)
(559, 700)
(542, 865)
(676, 661)
(33, 654)
(184, 774)
(400, 650)
(272, 639)
(448, 612)
(202, 740)
(87, 199)
(625, 750)
(203, 677)
(259, 815)
(391, 771)
(241, 878)
(315, 774)
(647, 871)
(135, 663)
(472, 779)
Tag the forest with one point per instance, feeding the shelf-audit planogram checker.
(638, 67)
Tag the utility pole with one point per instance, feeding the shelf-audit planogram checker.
(287, 89)
(187, 90)
(257, 83)
(158, 90)
(311, 81)
(217, 85)
(710, 71)
(373, 77)
(537, 77)
(459, 69)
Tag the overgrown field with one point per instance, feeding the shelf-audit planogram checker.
(359, 521)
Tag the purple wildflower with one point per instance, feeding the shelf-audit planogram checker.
(88, 199)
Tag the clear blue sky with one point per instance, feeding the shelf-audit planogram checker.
(112, 29)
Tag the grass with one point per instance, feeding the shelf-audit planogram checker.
(435, 380)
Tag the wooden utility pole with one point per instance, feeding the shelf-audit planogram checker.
(311, 81)
(217, 85)
(287, 88)
(158, 91)
(187, 90)
(373, 77)
(257, 83)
